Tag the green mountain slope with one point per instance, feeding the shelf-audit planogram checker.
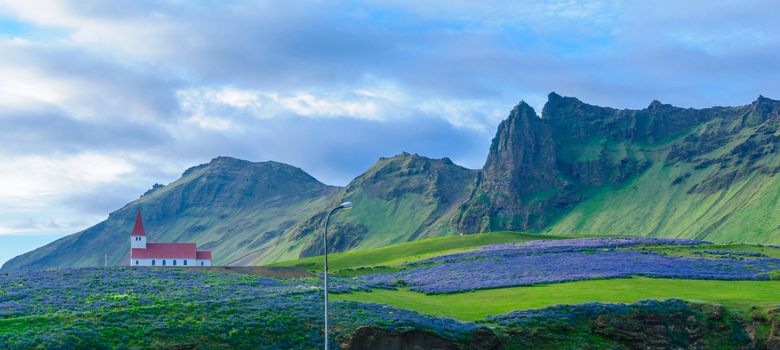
(230, 206)
(659, 171)
(400, 199)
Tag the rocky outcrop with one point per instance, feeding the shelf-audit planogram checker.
(521, 184)
(649, 324)
(540, 167)
(371, 338)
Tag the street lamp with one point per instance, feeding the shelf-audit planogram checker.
(345, 205)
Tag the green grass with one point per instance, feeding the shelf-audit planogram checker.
(739, 296)
(690, 250)
(650, 205)
(350, 262)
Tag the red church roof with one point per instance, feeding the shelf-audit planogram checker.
(138, 229)
(166, 251)
(203, 254)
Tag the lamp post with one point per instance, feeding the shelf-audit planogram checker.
(345, 205)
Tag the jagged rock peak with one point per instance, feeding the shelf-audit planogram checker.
(764, 100)
(523, 109)
(765, 107)
(558, 106)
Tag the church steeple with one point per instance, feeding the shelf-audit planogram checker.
(138, 229)
(138, 237)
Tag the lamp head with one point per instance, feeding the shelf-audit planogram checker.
(345, 205)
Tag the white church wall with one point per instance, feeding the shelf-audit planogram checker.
(138, 242)
(167, 262)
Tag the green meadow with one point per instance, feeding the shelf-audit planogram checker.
(742, 297)
(356, 262)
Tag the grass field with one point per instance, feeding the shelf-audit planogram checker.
(739, 296)
(702, 249)
(346, 264)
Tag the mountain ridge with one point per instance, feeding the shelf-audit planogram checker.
(576, 168)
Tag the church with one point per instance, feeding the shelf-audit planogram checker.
(163, 254)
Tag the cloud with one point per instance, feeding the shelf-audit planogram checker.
(34, 185)
(145, 89)
(38, 177)
(85, 86)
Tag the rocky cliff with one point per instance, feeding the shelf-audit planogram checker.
(580, 168)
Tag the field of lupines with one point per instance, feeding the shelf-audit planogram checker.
(128, 308)
(550, 261)
(157, 308)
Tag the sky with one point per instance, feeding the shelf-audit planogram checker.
(99, 100)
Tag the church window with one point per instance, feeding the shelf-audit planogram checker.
(153, 262)
(163, 262)
(136, 262)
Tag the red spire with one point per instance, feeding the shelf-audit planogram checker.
(138, 229)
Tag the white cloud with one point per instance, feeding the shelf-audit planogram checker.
(210, 107)
(211, 123)
(309, 105)
(34, 190)
(238, 98)
(142, 33)
(32, 181)
(216, 109)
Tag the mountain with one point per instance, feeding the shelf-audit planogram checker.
(576, 169)
(249, 213)
(659, 171)
(228, 205)
(399, 199)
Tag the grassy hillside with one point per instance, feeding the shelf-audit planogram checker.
(400, 199)
(350, 263)
(661, 203)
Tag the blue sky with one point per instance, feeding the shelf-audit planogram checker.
(99, 100)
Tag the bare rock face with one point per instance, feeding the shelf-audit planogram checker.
(371, 338)
(520, 181)
(773, 341)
